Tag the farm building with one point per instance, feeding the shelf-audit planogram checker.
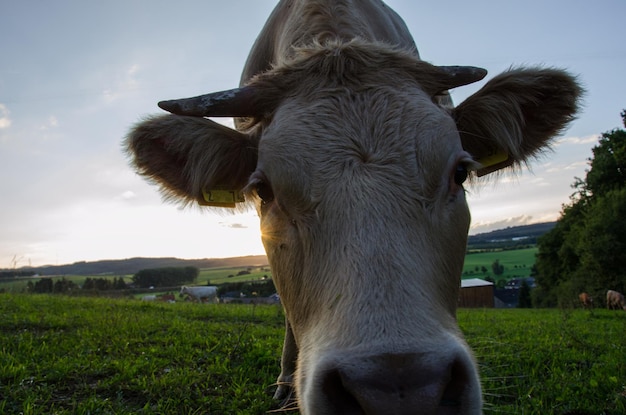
(476, 293)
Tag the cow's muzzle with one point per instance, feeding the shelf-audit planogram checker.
(407, 383)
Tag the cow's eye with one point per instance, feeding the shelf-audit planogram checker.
(264, 191)
(460, 174)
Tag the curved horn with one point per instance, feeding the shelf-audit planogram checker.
(238, 102)
(455, 76)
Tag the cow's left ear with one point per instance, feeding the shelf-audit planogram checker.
(516, 114)
(193, 158)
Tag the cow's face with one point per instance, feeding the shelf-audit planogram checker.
(358, 176)
(362, 195)
(364, 220)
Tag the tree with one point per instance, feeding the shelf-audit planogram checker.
(585, 250)
(44, 285)
(119, 284)
(602, 243)
(63, 286)
(608, 166)
(497, 267)
(165, 277)
(524, 300)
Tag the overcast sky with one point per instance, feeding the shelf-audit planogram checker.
(75, 75)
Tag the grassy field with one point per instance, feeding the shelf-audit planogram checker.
(517, 263)
(18, 284)
(218, 276)
(72, 355)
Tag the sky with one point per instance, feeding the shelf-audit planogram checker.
(76, 75)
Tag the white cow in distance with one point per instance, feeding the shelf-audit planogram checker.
(615, 300)
(200, 294)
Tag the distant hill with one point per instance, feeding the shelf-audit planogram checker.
(133, 265)
(510, 237)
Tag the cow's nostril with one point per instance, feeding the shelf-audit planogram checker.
(447, 402)
(343, 402)
(456, 386)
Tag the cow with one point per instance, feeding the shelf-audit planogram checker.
(169, 297)
(200, 294)
(355, 158)
(149, 298)
(585, 300)
(615, 300)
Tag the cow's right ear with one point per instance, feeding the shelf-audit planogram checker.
(188, 157)
(516, 114)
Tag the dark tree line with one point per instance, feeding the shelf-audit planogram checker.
(47, 285)
(15, 273)
(585, 250)
(155, 277)
(104, 284)
(64, 286)
(165, 277)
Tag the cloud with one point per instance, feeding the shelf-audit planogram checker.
(577, 140)
(121, 84)
(50, 123)
(5, 121)
(132, 71)
(234, 225)
(127, 195)
(482, 227)
(576, 165)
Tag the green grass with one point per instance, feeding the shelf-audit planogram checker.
(72, 355)
(549, 361)
(68, 355)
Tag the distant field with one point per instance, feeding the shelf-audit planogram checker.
(517, 263)
(75, 355)
(19, 284)
(218, 276)
(215, 276)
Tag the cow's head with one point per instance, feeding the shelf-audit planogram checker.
(357, 175)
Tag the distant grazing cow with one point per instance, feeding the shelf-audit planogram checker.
(170, 298)
(585, 300)
(200, 294)
(355, 157)
(149, 298)
(615, 300)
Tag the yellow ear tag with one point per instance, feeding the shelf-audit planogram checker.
(221, 198)
(493, 162)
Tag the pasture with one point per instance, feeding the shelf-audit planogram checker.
(74, 355)
(217, 276)
(516, 262)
